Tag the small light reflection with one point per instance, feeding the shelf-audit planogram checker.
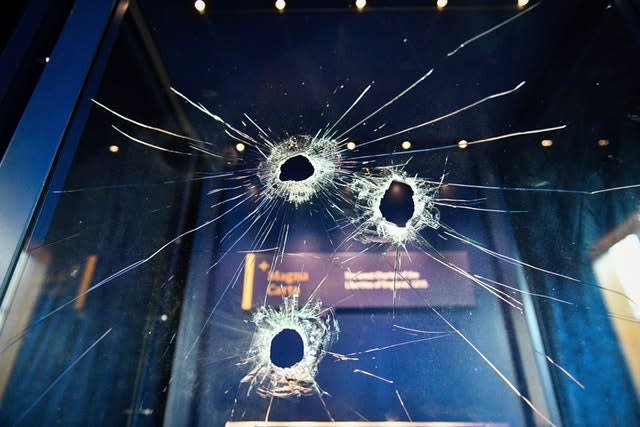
(546, 143)
(280, 5)
(240, 147)
(405, 145)
(351, 145)
(47, 59)
(200, 6)
(164, 317)
(603, 142)
(441, 4)
(462, 144)
(360, 4)
(522, 3)
(114, 148)
(396, 188)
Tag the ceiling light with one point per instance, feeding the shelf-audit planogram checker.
(280, 5)
(462, 144)
(603, 142)
(240, 147)
(405, 145)
(351, 145)
(114, 148)
(546, 143)
(441, 4)
(360, 4)
(200, 6)
(522, 3)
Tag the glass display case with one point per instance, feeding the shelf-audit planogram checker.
(344, 213)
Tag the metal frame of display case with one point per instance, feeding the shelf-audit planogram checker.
(28, 161)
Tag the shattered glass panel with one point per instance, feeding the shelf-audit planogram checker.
(335, 215)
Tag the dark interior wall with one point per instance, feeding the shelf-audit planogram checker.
(592, 86)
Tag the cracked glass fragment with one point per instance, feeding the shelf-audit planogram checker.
(299, 168)
(377, 221)
(317, 329)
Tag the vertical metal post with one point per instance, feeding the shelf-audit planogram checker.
(30, 156)
(528, 335)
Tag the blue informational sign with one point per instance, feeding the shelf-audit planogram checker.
(359, 280)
